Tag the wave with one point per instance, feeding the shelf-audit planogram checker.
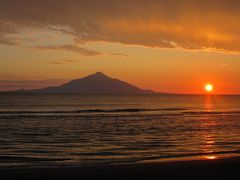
(186, 155)
(130, 110)
(137, 112)
(108, 157)
(212, 113)
(30, 159)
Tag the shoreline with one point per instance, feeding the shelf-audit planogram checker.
(225, 167)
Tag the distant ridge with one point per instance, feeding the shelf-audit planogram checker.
(97, 83)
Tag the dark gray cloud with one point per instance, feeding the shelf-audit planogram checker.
(189, 24)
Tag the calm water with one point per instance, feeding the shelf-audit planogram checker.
(77, 130)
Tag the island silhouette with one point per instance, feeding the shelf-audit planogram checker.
(97, 83)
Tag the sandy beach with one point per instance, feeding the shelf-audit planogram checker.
(224, 168)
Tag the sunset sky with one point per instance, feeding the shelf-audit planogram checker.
(174, 46)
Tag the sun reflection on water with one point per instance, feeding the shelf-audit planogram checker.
(208, 136)
(208, 104)
(210, 157)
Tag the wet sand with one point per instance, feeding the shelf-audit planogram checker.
(221, 168)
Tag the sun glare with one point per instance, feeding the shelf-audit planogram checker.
(209, 87)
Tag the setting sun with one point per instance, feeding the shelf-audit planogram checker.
(209, 87)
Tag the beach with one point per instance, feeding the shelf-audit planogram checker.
(224, 168)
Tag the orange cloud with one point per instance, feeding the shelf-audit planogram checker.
(65, 61)
(188, 24)
(80, 50)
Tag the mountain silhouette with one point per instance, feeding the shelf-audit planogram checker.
(97, 83)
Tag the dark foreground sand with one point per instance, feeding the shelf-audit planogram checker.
(196, 169)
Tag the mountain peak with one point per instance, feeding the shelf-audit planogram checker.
(97, 83)
(98, 75)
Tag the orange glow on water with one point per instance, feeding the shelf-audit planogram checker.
(211, 157)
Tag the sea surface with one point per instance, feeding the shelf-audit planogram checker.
(38, 130)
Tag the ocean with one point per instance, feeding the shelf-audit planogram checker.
(63, 130)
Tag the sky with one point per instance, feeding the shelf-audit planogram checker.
(174, 46)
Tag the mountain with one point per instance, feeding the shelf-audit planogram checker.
(97, 83)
